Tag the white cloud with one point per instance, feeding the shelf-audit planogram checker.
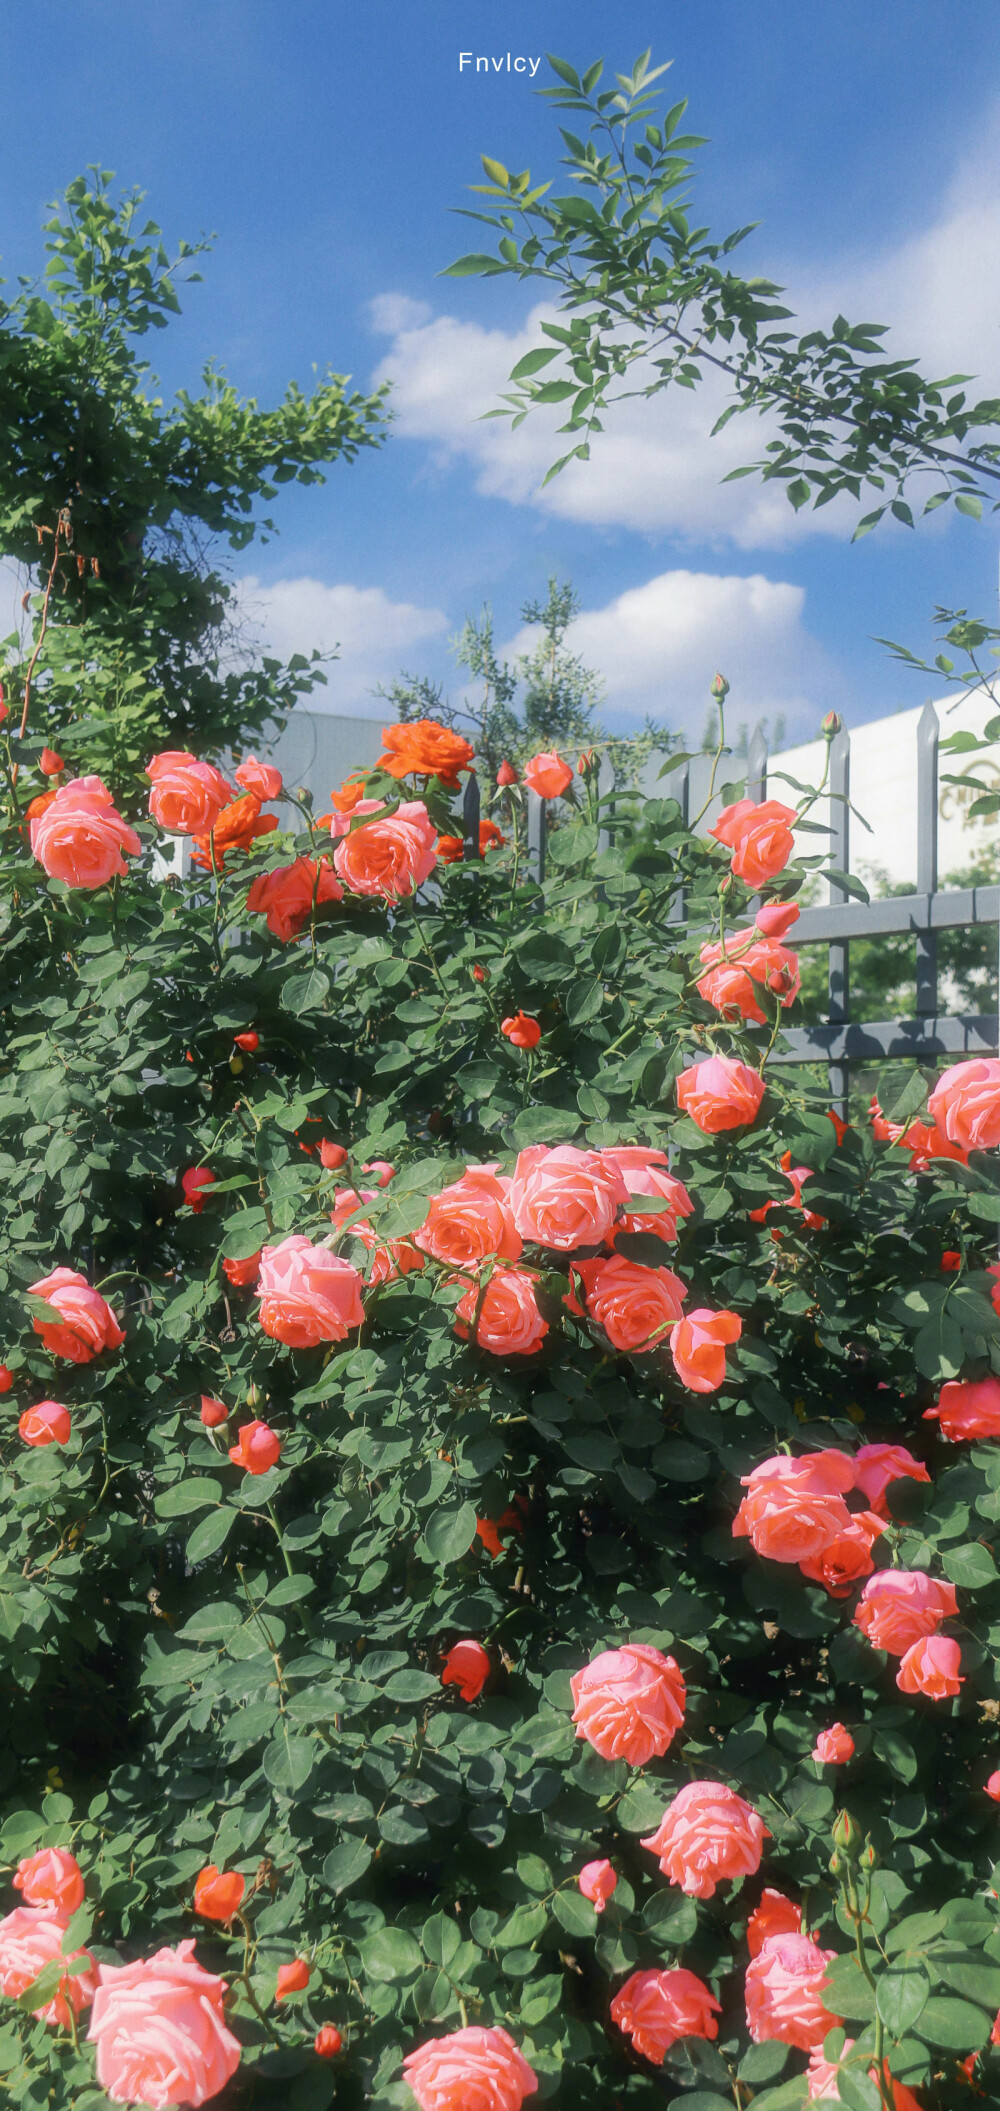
(656, 468)
(389, 313)
(366, 629)
(658, 646)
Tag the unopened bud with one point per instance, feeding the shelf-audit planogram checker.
(507, 774)
(831, 725)
(836, 1864)
(869, 1858)
(479, 974)
(720, 687)
(254, 1395)
(236, 1064)
(847, 1834)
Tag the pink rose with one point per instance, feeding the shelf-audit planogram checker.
(967, 1408)
(390, 857)
(257, 1448)
(775, 918)
(760, 837)
(821, 2080)
(307, 1294)
(707, 1836)
(547, 774)
(644, 1173)
(187, 796)
(876, 1466)
(509, 1321)
(29, 1940)
(80, 836)
(597, 1881)
(833, 1747)
(389, 1261)
(656, 2008)
(698, 1347)
(965, 1104)
(847, 1557)
(901, 1606)
(794, 1507)
(48, 1422)
(564, 1198)
(260, 778)
(776, 1915)
(474, 2069)
(992, 1789)
(51, 1878)
(784, 1992)
(629, 1702)
(470, 1219)
(88, 1323)
(160, 2031)
(636, 1306)
(720, 1093)
(730, 983)
(931, 1666)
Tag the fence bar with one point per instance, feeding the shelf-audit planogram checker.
(605, 787)
(927, 860)
(839, 967)
(470, 818)
(756, 788)
(678, 786)
(537, 832)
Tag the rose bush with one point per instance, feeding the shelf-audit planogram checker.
(512, 1551)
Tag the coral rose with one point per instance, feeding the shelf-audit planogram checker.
(398, 1257)
(548, 775)
(965, 1105)
(257, 1448)
(629, 1702)
(49, 1422)
(901, 1606)
(876, 1466)
(731, 977)
(474, 2069)
(509, 1321)
(644, 1173)
(784, 1992)
(349, 794)
(833, 1747)
(931, 1666)
(821, 2081)
(327, 2042)
(242, 1273)
(655, 2008)
(29, 1940)
(383, 1171)
(564, 1198)
(597, 1881)
(759, 836)
(992, 1789)
(160, 2031)
(389, 857)
(332, 1155)
(794, 1507)
(187, 796)
(50, 763)
(847, 1557)
(292, 1979)
(422, 748)
(51, 1878)
(470, 1220)
(213, 1412)
(521, 1031)
(776, 1915)
(698, 1347)
(466, 1666)
(967, 1408)
(193, 1182)
(775, 918)
(86, 1322)
(707, 1836)
(237, 828)
(6, 1378)
(636, 1306)
(286, 897)
(307, 1294)
(260, 778)
(451, 849)
(218, 1894)
(80, 835)
(720, 1093)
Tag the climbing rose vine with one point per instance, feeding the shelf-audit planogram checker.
(499, 1594)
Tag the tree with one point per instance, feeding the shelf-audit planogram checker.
(652, 304)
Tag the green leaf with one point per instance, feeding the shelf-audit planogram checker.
(391, 1955)
(289, 1761)
(966, 502)
(305, 993)
(245, 1233)
(441, 1939)
(954, 2024)
(412, 1686)
(899, 1998)
(544, 1125)
(985, 1207)
(210, 1534)
(450, 1532)
(857, 2090)
(575, 1913)
(346, 1865)
(532, 362)
(186, 1496)
(847, 1992)
(971, 1565)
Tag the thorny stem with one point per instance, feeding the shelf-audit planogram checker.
(716, 759)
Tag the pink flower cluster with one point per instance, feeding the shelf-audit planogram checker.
(744, 965)
(794, 1510)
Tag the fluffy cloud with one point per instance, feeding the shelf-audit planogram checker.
(365, 629)
(658, 646)
(657, 469)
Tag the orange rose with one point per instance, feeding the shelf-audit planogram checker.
(847, 1557)
(423, 748)
(521, 1031)
(217, 1894)
(466, 1666)
(237, 827)
(698, 1347)
(470, 1220)
(286, 897)
(451, 849)
(776, 1915)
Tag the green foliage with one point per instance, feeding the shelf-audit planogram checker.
(651, 302)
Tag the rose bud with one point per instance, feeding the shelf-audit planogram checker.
(249, 1042)
(258, 1448)
(192, 1182)
(327, 2042)
(213, 1412)
(292, 1979)
(332, 1156)
(507, 774)
(522, 1031)
(218, 1894)
(775, 918)
(479, 974)
(50, 763)
(466, 1666)
(6, 1379)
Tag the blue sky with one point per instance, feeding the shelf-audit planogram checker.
(326, 145)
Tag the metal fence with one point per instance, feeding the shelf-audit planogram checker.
(839, 1041)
